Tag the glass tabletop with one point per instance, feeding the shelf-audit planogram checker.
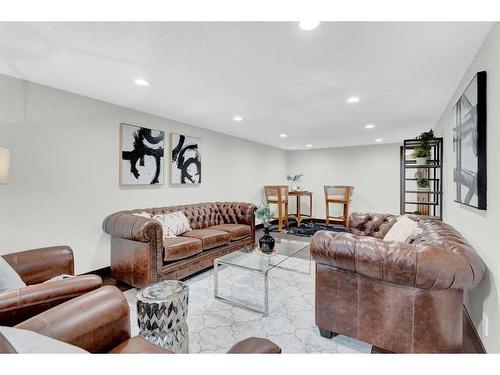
(253, 259)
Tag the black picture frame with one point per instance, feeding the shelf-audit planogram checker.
(469, 144)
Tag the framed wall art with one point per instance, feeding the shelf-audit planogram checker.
(141, 155)
(469, 144)
(185, 159)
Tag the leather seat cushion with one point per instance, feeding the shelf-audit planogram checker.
(138, 345)
(237, 231)
(210, 238)
(181, 247)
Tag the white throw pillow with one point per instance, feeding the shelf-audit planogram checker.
(145, 214)
(403, 230)
(9, 279)
(174, 223)
(28, 342)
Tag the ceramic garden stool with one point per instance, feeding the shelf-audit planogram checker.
(162, 309)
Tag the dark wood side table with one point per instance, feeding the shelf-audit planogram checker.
(299, 216)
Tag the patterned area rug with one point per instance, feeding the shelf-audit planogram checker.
(214, 326)
(307, 229)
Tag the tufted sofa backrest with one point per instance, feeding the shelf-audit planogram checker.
(204, 215)
(441, 257)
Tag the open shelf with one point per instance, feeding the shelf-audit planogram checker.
(427, 202)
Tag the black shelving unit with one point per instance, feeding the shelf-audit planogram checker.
(414, 200)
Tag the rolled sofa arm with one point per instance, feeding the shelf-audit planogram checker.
(131, 227)
(24, 303)
(97, 321)
(255, 345)
(424, 266)
(39, 265)
(245, 213)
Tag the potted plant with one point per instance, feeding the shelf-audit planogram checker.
(294, 181)
(420, 155)
(423, 151)
(423, 183)
(266, 242)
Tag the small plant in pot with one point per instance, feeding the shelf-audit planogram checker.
(423, 151)
(423, 183)
(266, 242)
(420, 155)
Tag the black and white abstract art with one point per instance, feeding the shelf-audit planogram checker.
(186, 159)
(141, 155)
(469, 144)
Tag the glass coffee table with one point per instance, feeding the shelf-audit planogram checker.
(253, 260)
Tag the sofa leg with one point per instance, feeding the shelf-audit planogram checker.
(326, 333)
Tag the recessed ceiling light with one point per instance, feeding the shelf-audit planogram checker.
(237, 118)
(141, 82)
(308, 25)
(378, 140)
(309, 145)
(369, 126)
(354, 99)
(283, 135)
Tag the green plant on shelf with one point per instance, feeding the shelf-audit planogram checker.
(423, 183)
(424, 149)
(420, 152)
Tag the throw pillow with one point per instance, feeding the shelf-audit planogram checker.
(28, 342)
(403, 230)
(9, 279)
(145, 214)
(174, 223)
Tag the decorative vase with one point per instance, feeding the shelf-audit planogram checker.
(421, 161)
(266, 242)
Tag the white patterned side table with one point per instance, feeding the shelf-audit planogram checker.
(162, 309)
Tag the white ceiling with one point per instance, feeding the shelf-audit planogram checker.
(279, 78)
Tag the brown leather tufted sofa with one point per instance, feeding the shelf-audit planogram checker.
(141, 256)
(404, 298)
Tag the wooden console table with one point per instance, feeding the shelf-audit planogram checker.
(299, 216)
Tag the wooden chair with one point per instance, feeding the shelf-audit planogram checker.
(278, 194)
(338, 195)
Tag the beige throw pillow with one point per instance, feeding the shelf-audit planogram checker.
(403, 230)
(174, 223)
(145, 214)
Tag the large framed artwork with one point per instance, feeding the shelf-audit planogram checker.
(469, 144)
(141, 155)
(185, 159)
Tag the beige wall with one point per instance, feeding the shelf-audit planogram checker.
(64, 170)
(481, 228)
(372, 170)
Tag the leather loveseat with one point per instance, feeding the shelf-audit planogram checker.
(404, 298)
(99, 322)
(141, 256)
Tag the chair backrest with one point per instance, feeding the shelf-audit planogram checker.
(276, 193)
(340, 193)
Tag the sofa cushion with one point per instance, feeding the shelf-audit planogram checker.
(9, 279)
(210, 238)
(237, 231)
(181, 247)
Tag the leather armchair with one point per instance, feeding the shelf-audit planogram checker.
(99, 322)
(35, 267)
(400, 297)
